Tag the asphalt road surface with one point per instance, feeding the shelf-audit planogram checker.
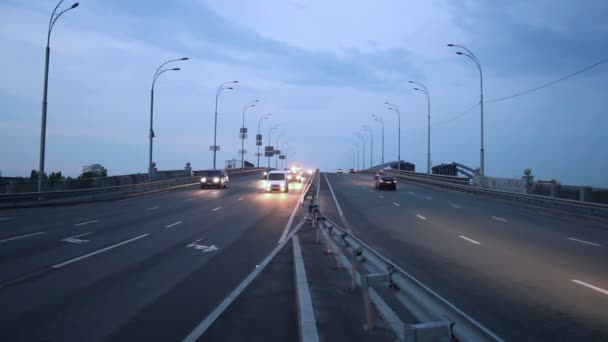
(139, 269)
(522, 272)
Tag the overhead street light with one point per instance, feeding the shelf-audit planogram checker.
(472, 57)
(265, 117)
(57, 12)
(381, 121)
(358, 165)
(371, 150)
(396, 110)
(276, 156)
(270, 129)
(360, 136)
(424, 90)
(243, 133)
(284, 153)
(217, 95)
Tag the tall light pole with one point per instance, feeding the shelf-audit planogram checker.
(57, 12)
(424, 90)
(360, 136)
(371, 149)
(381, 121)
(286, 156)
(358, 166)
(159, 71)
(265, 117)
(472, 57)
(276, 155)
(396, 110)
(217, 95)
(243, 133)
(270, 129)
(284, 153)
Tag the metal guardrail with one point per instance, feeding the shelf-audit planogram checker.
(88, 195)
(587, 208)
(443, 178)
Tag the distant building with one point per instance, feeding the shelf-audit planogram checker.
(95, 168)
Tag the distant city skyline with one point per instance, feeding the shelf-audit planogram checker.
(321, 78)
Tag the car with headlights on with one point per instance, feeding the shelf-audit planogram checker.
(277, 181)
(386, 182)
(214, 178)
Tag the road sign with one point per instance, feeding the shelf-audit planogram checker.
(258, 154)
(242, 135)
(214, 148)
(268, 148)
(243, 130)
(258, 140)
(268, 154)
(242, 152)
(277, 152)
(282, 156)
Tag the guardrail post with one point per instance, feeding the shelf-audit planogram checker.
(329, 242)
(366, 281)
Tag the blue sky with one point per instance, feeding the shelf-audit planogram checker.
(321, 68)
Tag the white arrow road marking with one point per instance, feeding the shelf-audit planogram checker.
(85, 223)
(74, 239)
(210, 249)
(202, 248)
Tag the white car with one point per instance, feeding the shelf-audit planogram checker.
(277, 181)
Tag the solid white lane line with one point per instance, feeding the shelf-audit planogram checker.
(218, 208)
(200, 329)
(21, 237)
(85, 223)
(241, 198)
(381, 196)
(6, 218)
(421, 217)
(583, 241)
(499, 219)
(153, 208)
(334, 196)
(598, 289)
(77, 236)
(65, 263)
(396, 204)
(173, 224)
(455, 206)
(427, 197)
(470, 240)
(289, 223)
(306, 313)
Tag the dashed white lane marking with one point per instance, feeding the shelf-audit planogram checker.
(456, 206)
(21, 236)
(153, 208)
(396, 204)
(421, 217)
(381, 196)
(6, 218)
(499, 219)
(191, 199)
(598, 289)
(85, 223)
(371, 191)
(65, 263)
(334, 196)
(583, 241)
(412, 193)
(241, 198)
(218, 208)
(430, 198)
(173, 224)
(470, 240)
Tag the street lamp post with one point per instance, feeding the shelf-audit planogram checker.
(265, 117)
(284, 153)
(358, 165)
(424, 90)
(396, 110)
(270, 129)
(381, 121)
(472, 57)
(243, 134)
(57, 12)
(360, 136)
(276, 155)
(217, 95)
(371, 149)
(159, 71)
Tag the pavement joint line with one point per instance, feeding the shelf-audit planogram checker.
(306, 312)
(67, 262)
(200, 329)
(85, 223)
(499, 219)
(22, 236)
(173, 224)
(216, 209)
(152, 208)
(396, 204)
(334, 196)
(583, 241)
(598, 289)
(421, 217)
(455, 206)
(470, 240)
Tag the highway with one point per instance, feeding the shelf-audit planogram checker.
(523, 272)
(144, 268)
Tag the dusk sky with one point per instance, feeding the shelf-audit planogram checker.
(321, 68)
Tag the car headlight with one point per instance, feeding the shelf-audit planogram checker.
(204, 179)
(299, 176)
(216, 180)
(265, 173)
(289, 177)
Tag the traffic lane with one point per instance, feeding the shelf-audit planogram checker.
(21, 221)
(29, 256)
(496, 286)
(114, 286)
(503, 221)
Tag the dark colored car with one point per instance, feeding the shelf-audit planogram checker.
(351, 170)
(214, 178)
(386, 182)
